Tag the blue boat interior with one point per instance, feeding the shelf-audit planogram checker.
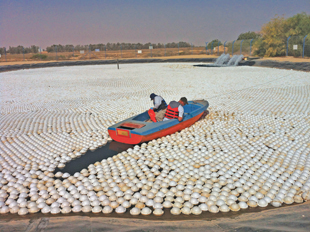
(190, 108)
(142, 117)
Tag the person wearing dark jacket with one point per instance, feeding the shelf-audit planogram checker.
(159, 102)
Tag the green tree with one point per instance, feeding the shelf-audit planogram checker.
(69, 48)
(297, 25)
(215, 43)
(274, 37)
(184, 44)
(275, 34)
(249, 35)
(259, 47)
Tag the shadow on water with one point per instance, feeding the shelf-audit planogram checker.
(90, 157)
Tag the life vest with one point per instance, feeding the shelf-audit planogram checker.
(172, 110)
(152, 115)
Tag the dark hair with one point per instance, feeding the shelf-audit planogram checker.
(184, 100)
(152, 96)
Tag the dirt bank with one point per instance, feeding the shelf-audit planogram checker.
(289, 218)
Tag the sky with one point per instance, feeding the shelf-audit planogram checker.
(47, 22)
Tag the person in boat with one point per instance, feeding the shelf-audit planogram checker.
(157, 112)
(175, 110)
(159, 102)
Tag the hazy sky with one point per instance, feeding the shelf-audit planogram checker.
(48, 22)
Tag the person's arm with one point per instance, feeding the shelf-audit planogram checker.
(181, 112)
(157, 102)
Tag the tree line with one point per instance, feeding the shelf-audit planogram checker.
(114, 46)
(109, 46)
(20, 49)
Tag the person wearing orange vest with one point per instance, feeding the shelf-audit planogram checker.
(175, 110)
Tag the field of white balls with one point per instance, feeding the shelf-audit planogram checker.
(252, 150)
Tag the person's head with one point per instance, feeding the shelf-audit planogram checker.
(183, 101)
(152, 96)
